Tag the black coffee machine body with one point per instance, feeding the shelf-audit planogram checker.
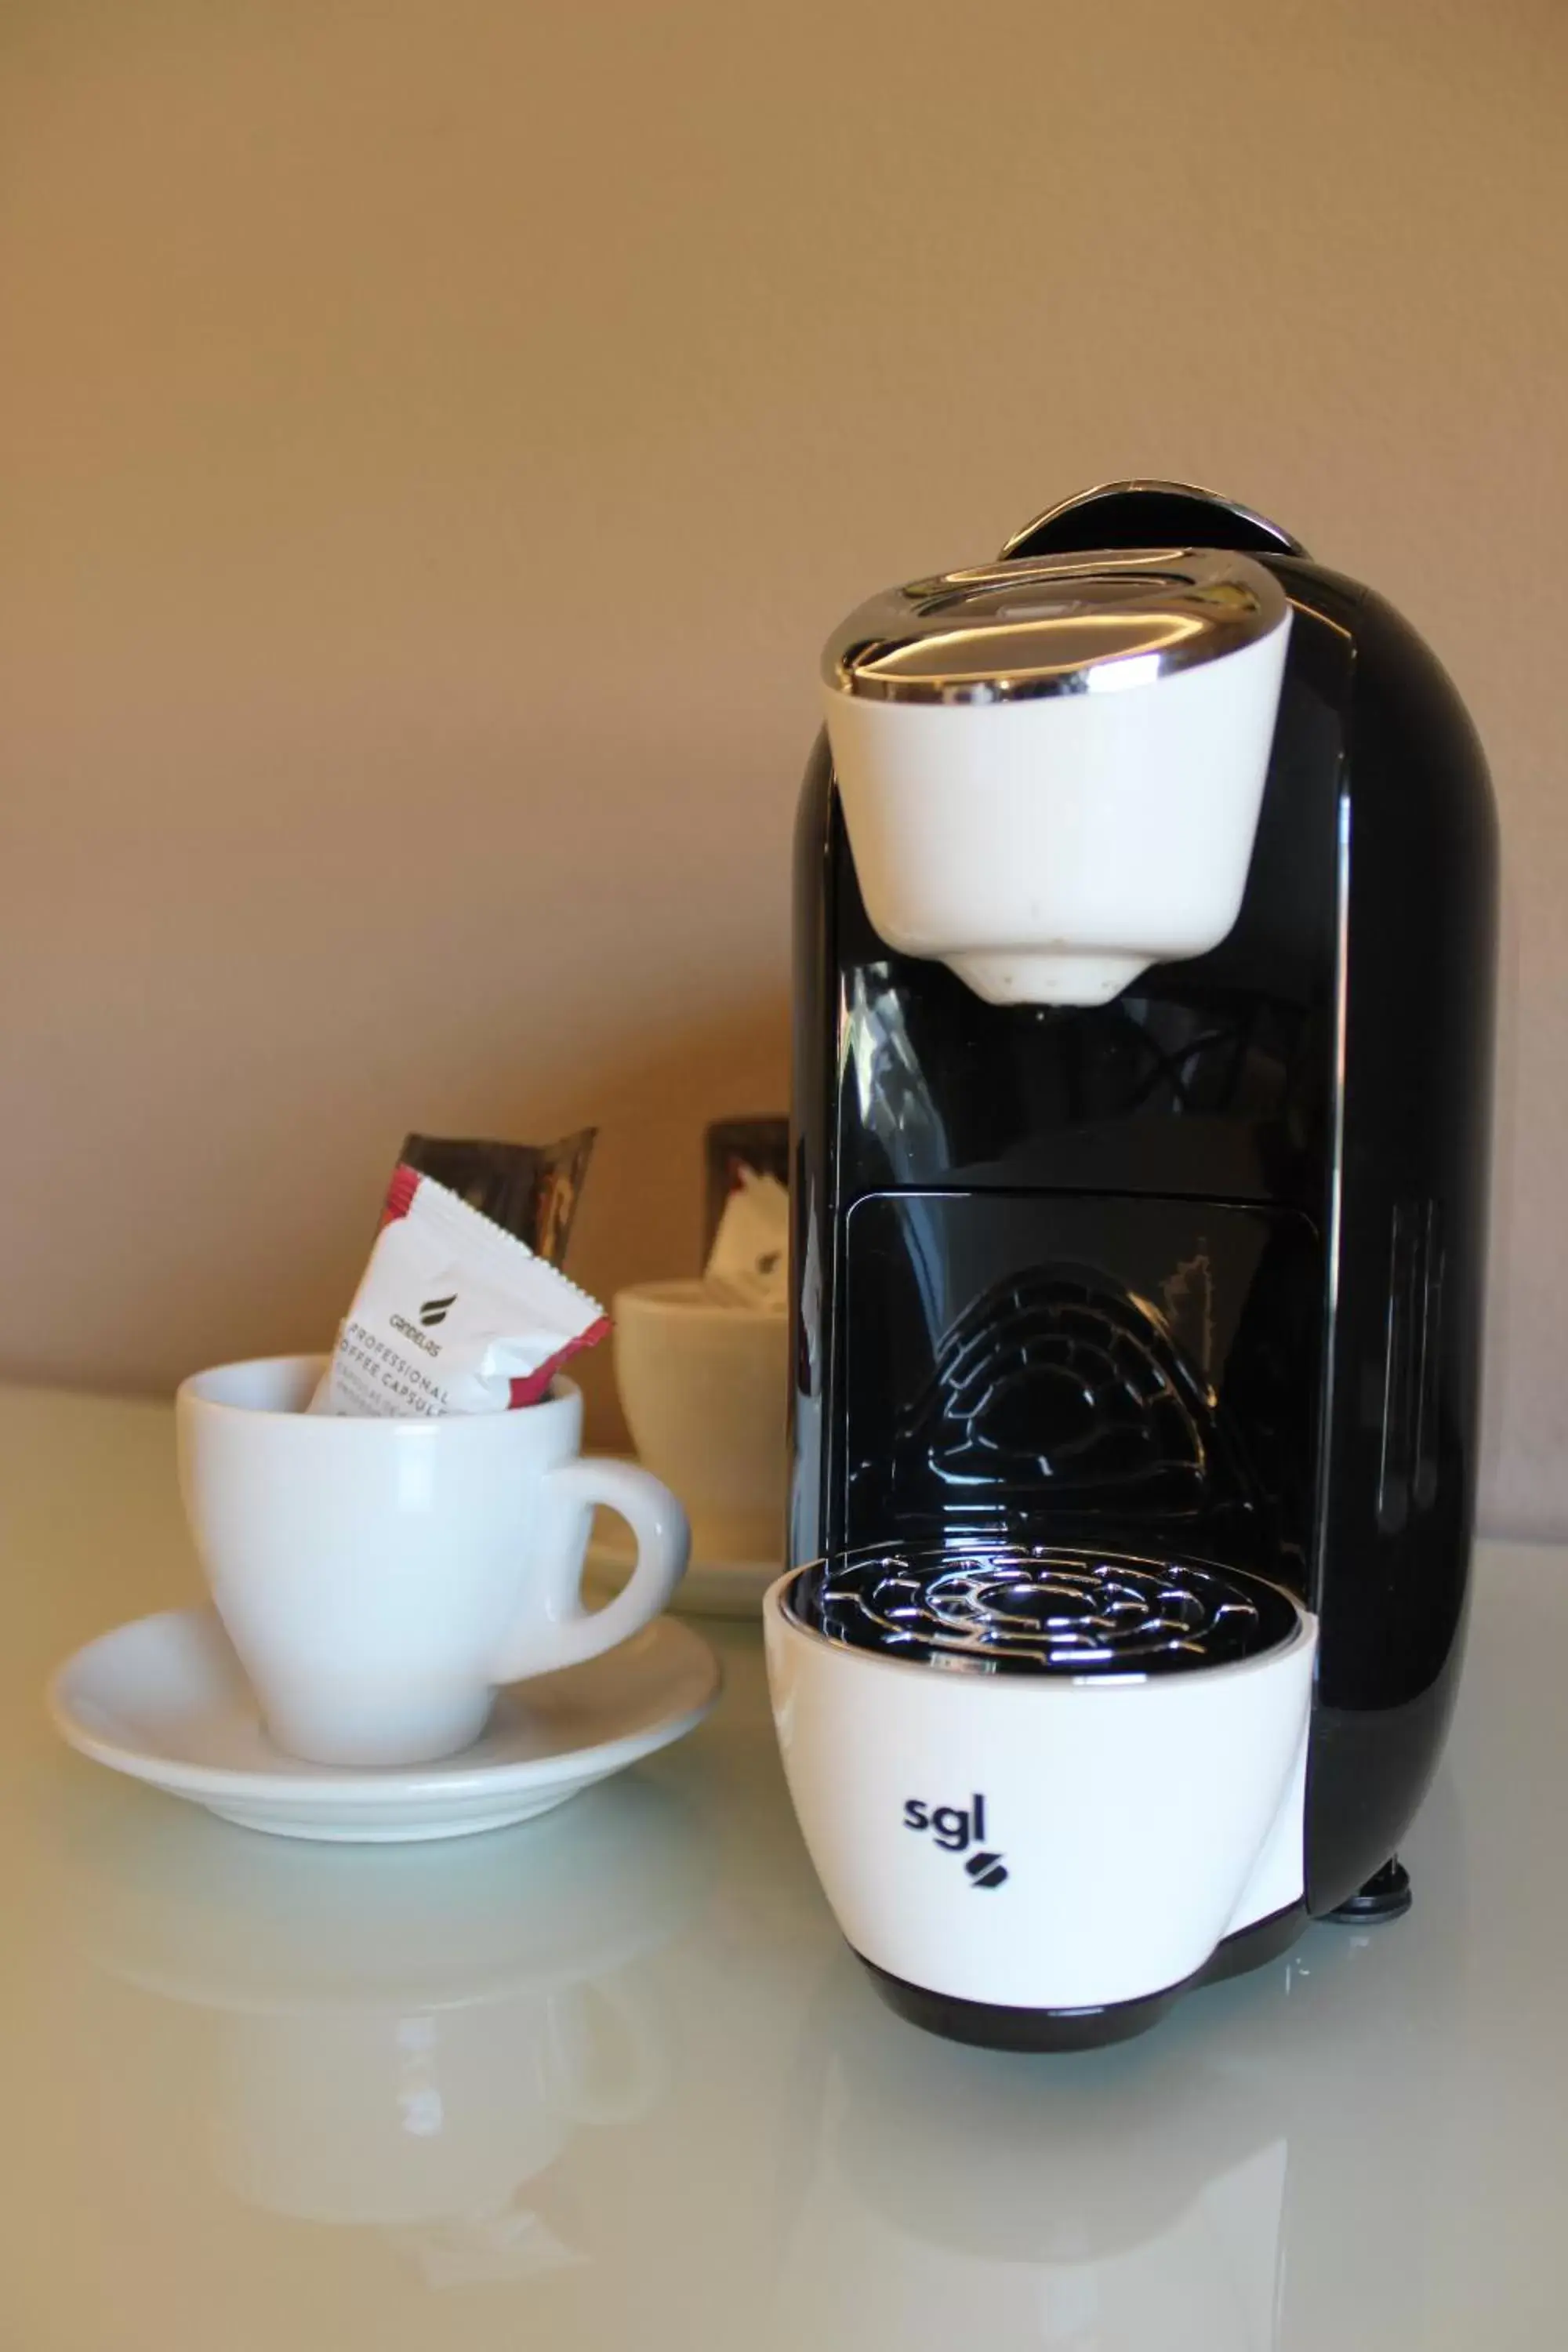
(1200, 1268)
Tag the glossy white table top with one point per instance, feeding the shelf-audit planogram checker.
(610, 2080)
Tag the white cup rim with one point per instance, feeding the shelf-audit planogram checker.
(193, 1394)
(1062, 1687)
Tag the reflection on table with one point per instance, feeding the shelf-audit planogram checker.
(408, 2039)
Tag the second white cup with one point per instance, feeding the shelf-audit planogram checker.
(380, 1580)
(703, 1386)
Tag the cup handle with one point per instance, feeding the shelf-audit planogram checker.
(572, 1632)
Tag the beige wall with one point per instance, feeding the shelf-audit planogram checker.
(436, 438)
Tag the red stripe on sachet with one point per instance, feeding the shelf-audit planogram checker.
(531, 1386)
(400, 1194)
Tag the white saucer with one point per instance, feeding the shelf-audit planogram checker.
(709, 1588)
(165, 1700)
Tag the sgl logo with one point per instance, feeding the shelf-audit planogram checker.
(955, 1829)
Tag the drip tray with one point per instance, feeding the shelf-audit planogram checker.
(1037, 1609)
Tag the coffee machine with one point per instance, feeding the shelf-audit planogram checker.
(1143, 968)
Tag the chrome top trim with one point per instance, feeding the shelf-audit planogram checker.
(1061, 625)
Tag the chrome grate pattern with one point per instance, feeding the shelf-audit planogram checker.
(1043, 1610)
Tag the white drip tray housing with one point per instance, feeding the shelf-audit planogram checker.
(1043, 1841)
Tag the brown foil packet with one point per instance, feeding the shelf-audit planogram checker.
(530, 1189)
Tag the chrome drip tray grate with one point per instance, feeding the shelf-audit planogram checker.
(1016, 1609)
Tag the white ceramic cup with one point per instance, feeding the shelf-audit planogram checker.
(702, 1386)
(381, 1579)
(1134, 1823)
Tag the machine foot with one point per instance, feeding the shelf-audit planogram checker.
(1386, 1896)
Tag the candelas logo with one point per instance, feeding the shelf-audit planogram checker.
(434, 1311)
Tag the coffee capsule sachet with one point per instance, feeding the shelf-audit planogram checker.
(457, 1312)
(748, 1264)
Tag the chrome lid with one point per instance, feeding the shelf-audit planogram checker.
(1061, 625)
